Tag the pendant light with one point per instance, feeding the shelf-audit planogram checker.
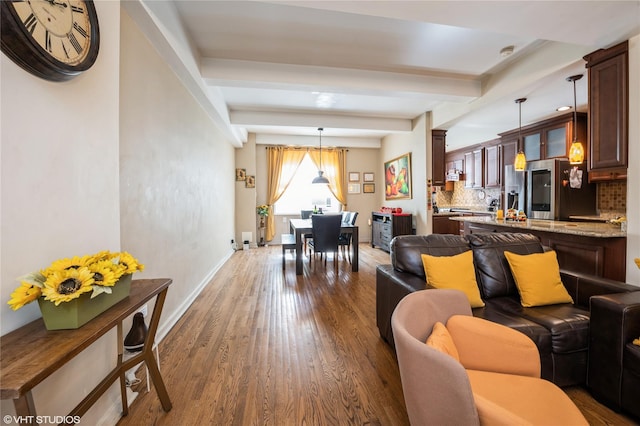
(576, 151)
(320, 178)
(520, 162)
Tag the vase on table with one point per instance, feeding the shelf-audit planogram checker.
(77, 312)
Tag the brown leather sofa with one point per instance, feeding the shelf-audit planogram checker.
(561, 332)
(614, 361)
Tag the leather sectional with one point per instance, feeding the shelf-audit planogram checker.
(561, 331)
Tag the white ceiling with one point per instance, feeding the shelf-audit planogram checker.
(366, 68)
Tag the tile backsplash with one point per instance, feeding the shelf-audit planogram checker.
(612, 197)
(463, 197)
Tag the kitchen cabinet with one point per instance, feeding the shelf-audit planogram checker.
(509, 151)
(478, 168)
(474, 168)
(468, 169)
(492, 167)
(602, 257)
(438, 146)
(547, 139)
(386, 226)
(609, 112)
(442, 225)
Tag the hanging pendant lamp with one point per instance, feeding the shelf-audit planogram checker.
(320, 178)
(520, 162)
(576, 151)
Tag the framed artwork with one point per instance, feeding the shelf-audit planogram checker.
(368, 177)
(250, 182)
(241, 174)
(353, 188)
(354, 176)
(397, 178)
(368, 188)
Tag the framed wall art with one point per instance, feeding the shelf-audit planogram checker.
(353, 188)
(354, 176)
(368, 177)
(241, 174)
(397, 178)
(368, 188)
(250, 182)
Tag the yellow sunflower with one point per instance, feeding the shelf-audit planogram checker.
(24, 294)
(105, 272)
(68, 284)
(129, 263)
(68, 263)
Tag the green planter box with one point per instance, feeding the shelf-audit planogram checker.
(77, 312)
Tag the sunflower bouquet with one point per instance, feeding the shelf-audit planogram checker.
(67, 279)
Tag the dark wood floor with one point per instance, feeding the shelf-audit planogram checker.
(263, 346)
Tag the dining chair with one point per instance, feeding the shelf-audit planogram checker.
(325, 229)
(305, 214)
(344, 240)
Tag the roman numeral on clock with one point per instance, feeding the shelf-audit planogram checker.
(47, 41)
(77, 9)
(30, 23)
(81, 30)
(74, 42)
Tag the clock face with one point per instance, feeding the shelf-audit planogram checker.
(54, 39)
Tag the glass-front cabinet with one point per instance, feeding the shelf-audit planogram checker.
(550, 138)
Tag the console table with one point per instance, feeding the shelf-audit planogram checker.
(31, 353)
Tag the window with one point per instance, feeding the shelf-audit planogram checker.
(303, 195)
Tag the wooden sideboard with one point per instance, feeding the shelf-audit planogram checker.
(385, 226)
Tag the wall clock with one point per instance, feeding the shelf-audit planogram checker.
(52, 39)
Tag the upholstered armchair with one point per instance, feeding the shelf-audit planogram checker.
(495, 381)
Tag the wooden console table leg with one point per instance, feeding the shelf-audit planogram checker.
(123, 380)
(150, 360)
(24, 406)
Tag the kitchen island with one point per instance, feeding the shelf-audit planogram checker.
(593, 248)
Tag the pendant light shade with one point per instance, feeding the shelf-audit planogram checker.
(576, 151)
(520, 163)
(320, 178)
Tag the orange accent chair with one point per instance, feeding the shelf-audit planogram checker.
(496, 380)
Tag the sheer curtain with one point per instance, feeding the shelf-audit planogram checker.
(282, 164)
(334, 166)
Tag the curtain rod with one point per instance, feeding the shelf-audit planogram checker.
(307, 148)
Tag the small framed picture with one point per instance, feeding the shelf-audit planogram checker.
(354, 176)
(250, 182)
(368, 188)
(353, 188)
(368, 177)
(241, 174)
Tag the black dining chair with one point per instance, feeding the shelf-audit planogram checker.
(326, 231)
(344, 240)
(305, 214)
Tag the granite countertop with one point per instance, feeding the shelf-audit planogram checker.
(587, 229)
(453, 211)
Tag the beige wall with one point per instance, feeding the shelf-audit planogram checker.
(177, 176)
(418, 143)
(117, 158)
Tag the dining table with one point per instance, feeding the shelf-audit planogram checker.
(300, 227)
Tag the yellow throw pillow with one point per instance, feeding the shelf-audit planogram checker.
(441, 340)
(455, 272)
(537, 277)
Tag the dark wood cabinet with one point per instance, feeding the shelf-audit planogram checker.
(478, 168)
(438, 147)
(442, 225)
(492, 167)
(546, 139)
(386, 226)
(608, 110)
(474, 168)
(509, 151)
(602, 257)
